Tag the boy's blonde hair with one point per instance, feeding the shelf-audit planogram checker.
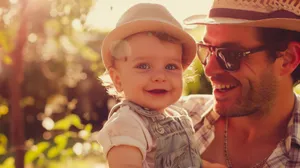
(117, 54)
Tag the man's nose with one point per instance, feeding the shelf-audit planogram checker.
(212, 66)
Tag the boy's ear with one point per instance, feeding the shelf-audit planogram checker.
(291, 58)
(115, 77)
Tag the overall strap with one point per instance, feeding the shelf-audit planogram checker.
(154, 115)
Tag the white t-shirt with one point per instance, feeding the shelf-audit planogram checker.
(126, 127)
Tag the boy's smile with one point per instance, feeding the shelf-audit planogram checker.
(157, 91)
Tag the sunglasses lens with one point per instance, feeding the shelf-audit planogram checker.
(228, 59)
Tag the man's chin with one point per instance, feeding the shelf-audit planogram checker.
(233, 111)
(225, 108)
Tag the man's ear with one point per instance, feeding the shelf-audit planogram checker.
(115, 77)
(291, 58)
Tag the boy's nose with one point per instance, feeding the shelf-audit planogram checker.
(159, 76)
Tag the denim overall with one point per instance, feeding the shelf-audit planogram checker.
(174, 136)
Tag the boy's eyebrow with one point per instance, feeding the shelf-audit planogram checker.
(150, 58)
(139, 59)
(177, 60)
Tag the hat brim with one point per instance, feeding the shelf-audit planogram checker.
(281, 23)
(137, 26)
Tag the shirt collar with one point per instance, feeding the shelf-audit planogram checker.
(294, 123)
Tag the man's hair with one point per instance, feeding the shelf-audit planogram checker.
(278, 40)
(117, 54)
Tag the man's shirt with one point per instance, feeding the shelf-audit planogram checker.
(286, 154)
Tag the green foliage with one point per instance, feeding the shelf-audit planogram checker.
(58, 55)
(3, 144)
(5, 42)
(67, 122)
(53, 152)
(8, 163)
(297, 89)
(3, 110)
(86, 132)
(60, 144)
(195, 81)
(36, 151)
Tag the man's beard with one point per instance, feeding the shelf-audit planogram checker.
(259, 98)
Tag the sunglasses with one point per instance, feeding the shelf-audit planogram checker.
(227, 58)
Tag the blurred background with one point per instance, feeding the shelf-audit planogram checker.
(49, 67)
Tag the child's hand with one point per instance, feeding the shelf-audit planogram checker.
(207, 164)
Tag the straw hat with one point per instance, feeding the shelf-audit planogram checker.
(145, 17)
(283, 14)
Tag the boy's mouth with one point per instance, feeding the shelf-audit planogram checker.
(157, 91)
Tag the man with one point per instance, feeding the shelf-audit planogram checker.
(251, 54)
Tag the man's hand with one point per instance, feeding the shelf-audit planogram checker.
(207, 164)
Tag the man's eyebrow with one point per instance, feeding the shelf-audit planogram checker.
(225, 44)
(232, 45)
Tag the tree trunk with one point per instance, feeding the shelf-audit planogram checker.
(15, 81)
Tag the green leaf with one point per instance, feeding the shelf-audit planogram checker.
(297, 89)
(3, 110)
(53, 152)
(36, 151)
(4, 42)
(75, 120)
(66, 153)
(42, 146)
(88, 128)
(8, 163)
(62, 140)
(3, 150)
(65, 123)
(62, 124)
(41, 161)
(3, 144)
(3, 140)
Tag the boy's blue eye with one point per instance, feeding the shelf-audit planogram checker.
(171, 67)
(143, 66)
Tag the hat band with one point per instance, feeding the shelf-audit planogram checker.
(251, 15)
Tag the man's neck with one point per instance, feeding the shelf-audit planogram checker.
(272, 124)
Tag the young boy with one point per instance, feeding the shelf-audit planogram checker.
(145, 56)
